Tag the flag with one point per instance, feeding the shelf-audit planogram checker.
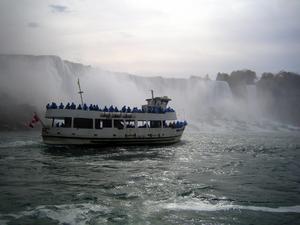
(34, 120)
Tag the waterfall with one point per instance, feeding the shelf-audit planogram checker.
(37, 80)
(40, 79)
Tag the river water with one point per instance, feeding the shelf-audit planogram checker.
(208, 178)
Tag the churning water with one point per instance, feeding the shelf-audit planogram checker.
(208, 178)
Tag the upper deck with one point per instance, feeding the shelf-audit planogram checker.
(156, 109)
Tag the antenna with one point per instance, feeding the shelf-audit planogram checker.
(152, 94)
(80, 92)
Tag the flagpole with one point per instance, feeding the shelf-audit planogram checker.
(80, 91)
(43, 125)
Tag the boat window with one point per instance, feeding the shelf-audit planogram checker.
(68, 122)
(58, 122)
(119, 124)
(99, 123)
(107, 123)
(62, 122)
(83, 123)
(155, 124)
(142, 124)
(169, 123)
(130, 123)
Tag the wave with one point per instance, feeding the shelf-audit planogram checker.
(197, 205)
(17, 144)
(79, 214)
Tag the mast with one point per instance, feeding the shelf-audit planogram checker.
(152, 94)
(80, 92)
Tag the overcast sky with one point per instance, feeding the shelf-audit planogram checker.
(157, 37)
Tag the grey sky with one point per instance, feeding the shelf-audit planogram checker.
(157, 37)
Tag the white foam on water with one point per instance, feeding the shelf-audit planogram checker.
(14, 144)
(79, 214)
(196, 205)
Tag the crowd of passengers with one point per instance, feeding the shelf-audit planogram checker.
(177, 124)
(110, 109)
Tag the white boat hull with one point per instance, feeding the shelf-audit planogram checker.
(63, 136)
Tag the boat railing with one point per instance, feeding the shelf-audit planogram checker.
(111, 109)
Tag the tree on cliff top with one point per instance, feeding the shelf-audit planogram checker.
(243, 77)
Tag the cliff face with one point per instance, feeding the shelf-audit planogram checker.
(28, 82)
(238, 82)
(36, 79)
(278, 95)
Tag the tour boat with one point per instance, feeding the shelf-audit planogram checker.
(154, 123)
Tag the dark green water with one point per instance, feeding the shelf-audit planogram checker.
(250, 178)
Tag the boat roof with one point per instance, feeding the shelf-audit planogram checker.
(163, 98)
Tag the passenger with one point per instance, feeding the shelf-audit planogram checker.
(111, 109)
(79, 107)
(105, 109)
(61, 106)
(128, 110)
(68, 106)
(73, 106)
(48, 106)
(124, 109)
(85, 107)
(57, 124)
(53, 105)
(116, 109)
(91, 107)
(164, 124)
(97, 108)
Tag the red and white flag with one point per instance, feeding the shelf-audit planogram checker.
(34, 120)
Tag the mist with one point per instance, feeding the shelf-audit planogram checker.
(28, 83)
